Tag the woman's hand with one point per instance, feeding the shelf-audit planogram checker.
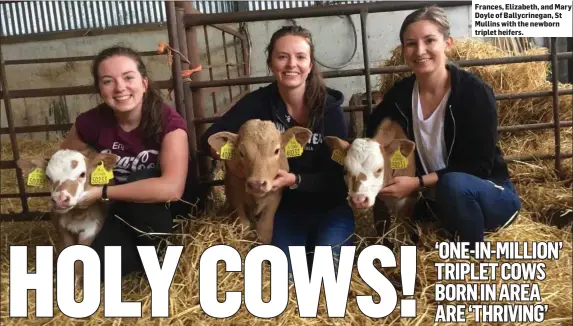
(401, 187)
(283, 179)
(89, 197)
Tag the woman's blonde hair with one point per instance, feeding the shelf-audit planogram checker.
(432, 13)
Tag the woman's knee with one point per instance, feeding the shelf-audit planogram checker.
(453, 184)
(338, 227)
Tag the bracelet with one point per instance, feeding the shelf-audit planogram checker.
(104, 197)
(421, 182)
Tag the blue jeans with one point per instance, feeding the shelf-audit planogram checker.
(331, 228)
(470, 206)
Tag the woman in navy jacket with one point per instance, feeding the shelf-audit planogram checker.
(313, 210)
(451, 114)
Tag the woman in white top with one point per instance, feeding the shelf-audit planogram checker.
(451, 115)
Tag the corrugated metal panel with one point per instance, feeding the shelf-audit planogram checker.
(212, 7)
(34, 17)
(266, 5)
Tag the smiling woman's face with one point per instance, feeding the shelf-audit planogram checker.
(291, 61)
(121, 84)
(425, 47)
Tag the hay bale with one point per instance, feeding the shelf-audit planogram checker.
(504, 79)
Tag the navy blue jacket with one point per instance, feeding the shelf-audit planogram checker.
(470, 126)
(322, 184)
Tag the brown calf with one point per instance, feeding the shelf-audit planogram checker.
(260, 150)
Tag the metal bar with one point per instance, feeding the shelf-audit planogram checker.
(21, 217)
(534, 126)
(38, 128)
(196, 94)
(165, 84)
(223, 111)
(67, 59)
(531, 94)
(309, 12)
(229, 30)
(245, 46)
(72, 90)
(363, 30)
(235, 47)
(535, 157)
(7, 165)
(554, 82)
(213, 99)
(13, 140)
(222, 28)
(176, 65)
(227, 66)
(190, 115)
(381, 70)
(30, 194)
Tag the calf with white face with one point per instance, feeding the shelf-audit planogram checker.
(68, 173)
(370, 164)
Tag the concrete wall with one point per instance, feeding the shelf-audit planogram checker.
(37, 111)
(334, 42)
(333, 36)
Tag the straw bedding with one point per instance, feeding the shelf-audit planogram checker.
(546, 216)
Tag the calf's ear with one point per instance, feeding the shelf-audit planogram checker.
(301, 134)
(108, 160)
(406, 147)
(28, 164)
(386, 132)
(218, 140)
(336, 143)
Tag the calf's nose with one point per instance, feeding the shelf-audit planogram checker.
(358, 199)
(256, 184)
(64, 198)
(61, 200)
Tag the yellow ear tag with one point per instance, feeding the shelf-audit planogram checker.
(101, 176)
(293, 148)
(37, 178)
(398, 161)
(338, 156)
(227, 151)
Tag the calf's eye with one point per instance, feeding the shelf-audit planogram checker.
(83, 175)
(277, 151)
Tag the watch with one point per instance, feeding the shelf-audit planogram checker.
(421, 182)
(104, 193)
(296, 182)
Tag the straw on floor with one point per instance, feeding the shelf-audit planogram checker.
(546, 216)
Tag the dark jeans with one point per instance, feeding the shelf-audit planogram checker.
(332, 228)
(152, 218)
(468, 206)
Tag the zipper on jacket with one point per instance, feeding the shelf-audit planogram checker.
(454, 138)
(277, 115)
(402, 113)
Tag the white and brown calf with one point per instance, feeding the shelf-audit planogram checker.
(368, 167)
(68, 176)
(259, 148)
